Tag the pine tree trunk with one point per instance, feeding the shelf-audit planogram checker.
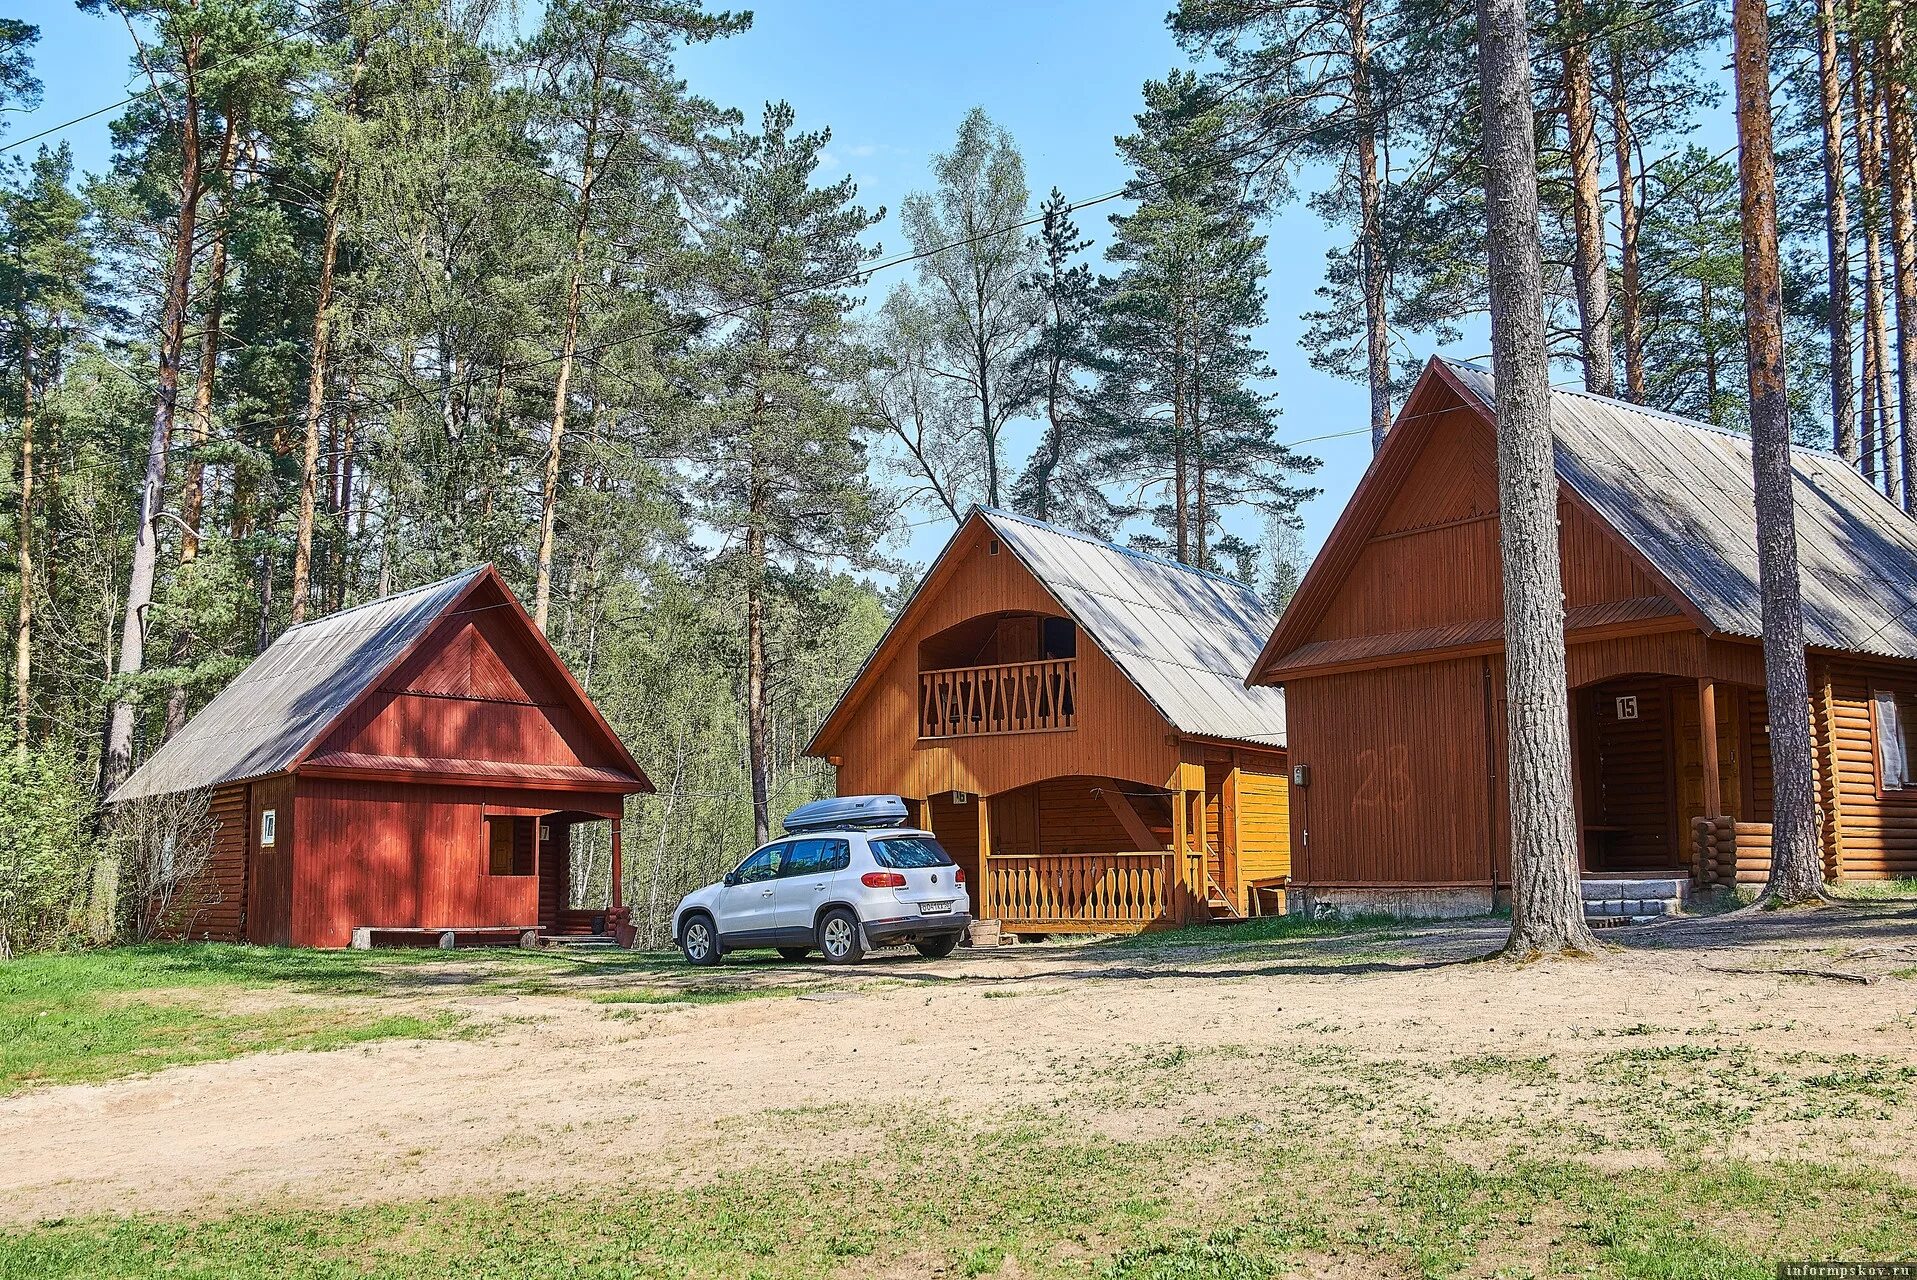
(23, 632)
(1836, 233)
(193, 495)
(1181, 481)
(1869, 200)
(316, 398)
(1903, 232)
(1370, 227)
(757, 735)
(562, 385)
(1797, 872)
(1630, 273)
(116, 757)
(1587, 207)
(1547, 911)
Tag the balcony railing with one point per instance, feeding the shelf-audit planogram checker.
(1012, 697)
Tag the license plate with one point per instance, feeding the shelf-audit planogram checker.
(934, 908)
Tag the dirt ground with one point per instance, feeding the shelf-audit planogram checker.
(550, 1088)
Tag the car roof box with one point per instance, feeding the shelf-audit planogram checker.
(848, 811)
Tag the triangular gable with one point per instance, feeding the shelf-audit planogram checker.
(1433, 401)
(483, 647)
(972, 533)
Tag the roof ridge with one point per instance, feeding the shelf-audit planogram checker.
(1646, 410)
(386, 599)
(1109, 545)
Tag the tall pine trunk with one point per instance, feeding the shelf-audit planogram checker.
(1547, 911)
(1903, 232)
(568, 351)
(1836, 232)
(1370, 227)
(200, 423)
(1630, 270)
(318, 368)
(23, 632)
(1587, 207)
(316, 381)
(1874, 395)
(1797, 872)
(116, 757)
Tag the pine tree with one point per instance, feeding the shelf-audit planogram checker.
(780, 475)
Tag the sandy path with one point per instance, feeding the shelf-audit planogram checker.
(560, 1091)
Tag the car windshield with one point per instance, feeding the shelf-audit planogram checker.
(904, 852)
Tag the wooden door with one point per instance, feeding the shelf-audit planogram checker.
(269, 879)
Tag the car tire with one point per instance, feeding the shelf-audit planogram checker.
(839, 938)
(938, 948)
(794, 954)
(699, 940)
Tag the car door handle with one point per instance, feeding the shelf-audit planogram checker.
(819, 887)
(766, 894)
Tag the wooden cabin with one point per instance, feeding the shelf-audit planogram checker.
(1071, 718)
(420, 766)
(1391, 657)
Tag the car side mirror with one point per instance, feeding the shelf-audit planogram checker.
(732, 878)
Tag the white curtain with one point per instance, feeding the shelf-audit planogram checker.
(1893, 757)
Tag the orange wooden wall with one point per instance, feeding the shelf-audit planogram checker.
(1118, 735)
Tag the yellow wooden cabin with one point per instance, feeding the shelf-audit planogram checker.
(1071, 718)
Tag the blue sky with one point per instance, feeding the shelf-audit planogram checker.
(892, 81)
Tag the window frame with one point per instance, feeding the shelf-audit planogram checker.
(1903, 704)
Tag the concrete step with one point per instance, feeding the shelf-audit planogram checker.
(1634, 898)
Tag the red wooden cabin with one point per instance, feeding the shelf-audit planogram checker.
(1391, 658)
(423, 762)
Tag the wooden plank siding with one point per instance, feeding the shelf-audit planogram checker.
(212, 906)
(1117, 733)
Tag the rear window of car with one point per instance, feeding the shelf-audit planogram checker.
(910, 852)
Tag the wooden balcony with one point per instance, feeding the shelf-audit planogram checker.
(1085, 893)
(1011, 697)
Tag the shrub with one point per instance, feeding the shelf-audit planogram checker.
(45, 848)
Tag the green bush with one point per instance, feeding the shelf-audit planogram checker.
(45, 849)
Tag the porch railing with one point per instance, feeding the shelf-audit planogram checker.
(1011, 697)
(1083, 892)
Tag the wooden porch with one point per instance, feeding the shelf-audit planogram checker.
(1673, 777)
(1100, 855)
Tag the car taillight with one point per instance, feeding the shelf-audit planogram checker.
(882, 880)
(958, 875)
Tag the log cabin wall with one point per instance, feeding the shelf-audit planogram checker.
(1875, 835)
(1118, 733)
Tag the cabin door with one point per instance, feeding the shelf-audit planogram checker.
(1628, 805)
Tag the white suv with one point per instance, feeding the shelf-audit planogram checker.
(840, 890)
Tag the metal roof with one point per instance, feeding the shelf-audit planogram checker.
(263, 721)
(1185, 637)
(1682, 494)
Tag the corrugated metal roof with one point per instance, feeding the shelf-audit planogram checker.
(1185, 637)
(260, 723)
(1681, 492)
(1391, 644)
(439, 765)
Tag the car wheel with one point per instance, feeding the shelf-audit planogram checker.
(938, 948)
(699, 940)
(839, 937)
(794, 953)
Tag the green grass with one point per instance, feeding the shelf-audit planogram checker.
(1055, 1203)
(99, 1015)
(1873, 890)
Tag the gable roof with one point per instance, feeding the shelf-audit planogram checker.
(280, 708)
(1183, 636)
(1680, 494)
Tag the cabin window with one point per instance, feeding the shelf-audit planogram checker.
(269, 828)
(1891, 716)
(509, 846)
